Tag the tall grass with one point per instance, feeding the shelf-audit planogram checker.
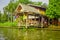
(8, 24)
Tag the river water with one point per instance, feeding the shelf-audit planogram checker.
(28, 34)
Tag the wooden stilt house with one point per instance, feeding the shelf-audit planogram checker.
(27, 15)
(31, 15)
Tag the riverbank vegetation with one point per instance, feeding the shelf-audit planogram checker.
(8, 24)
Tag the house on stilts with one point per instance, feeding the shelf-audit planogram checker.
(30, 15)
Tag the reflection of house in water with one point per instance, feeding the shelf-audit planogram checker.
(30, 15)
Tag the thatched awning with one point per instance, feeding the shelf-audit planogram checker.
(26, 8)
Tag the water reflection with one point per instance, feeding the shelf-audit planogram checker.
(28, 34)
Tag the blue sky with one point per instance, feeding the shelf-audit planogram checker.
(3, 3)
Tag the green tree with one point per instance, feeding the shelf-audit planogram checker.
(53, 10)
(3, 17)
(37, 3)
(9, 9)
(25, 1)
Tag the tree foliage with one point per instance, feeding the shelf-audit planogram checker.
(13, 4)
(3, 17)
(53, 10)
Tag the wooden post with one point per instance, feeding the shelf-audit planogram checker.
(35, 21)
(26, 22)
(38, 21)
(48, 21)
(42, 20)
